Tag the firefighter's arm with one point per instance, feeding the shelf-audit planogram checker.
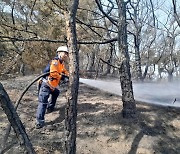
(64, 78)
(66, 72)
(65, 75)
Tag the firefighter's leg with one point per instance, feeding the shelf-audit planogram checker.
(52, 103)
(43, 102)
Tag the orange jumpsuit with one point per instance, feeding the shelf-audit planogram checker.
(49, 86)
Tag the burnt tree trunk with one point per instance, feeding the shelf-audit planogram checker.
(15, 121)
(109, 56)
(108, 70)
(145, 71)
(129, 106)
(137, 58)
(72, 93)
(92, 60)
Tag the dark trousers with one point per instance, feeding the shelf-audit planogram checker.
(44, 94)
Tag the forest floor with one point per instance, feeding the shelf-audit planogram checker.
(101, 129)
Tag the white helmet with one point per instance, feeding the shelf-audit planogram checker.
(62, 49)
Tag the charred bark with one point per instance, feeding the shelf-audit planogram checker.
(138, 58)
(92, 60)
(129, 106)
(72, 93)
(15, 121)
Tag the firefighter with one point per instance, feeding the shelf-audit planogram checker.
(49, 85)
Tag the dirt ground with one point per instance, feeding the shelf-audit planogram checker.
(100, 126)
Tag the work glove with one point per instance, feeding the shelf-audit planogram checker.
(65, 78)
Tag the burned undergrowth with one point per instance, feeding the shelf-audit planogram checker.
(100, 125)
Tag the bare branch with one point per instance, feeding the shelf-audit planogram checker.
(175, 12)
(99, 42)
(105, 14)
(32, 9)
(15, 39)
(111, 8)
(88, 25)
(57, 5)
(9, 39)
(91, 11)
(154, 18)
(12, 12)
(109, 63)
(22, 30)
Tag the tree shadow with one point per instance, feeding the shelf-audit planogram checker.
(61, 116)
(150, 122)
(145, 130)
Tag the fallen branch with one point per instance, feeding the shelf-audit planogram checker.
(8, 130)
(15, 121)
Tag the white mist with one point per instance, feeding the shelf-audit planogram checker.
(167, 94)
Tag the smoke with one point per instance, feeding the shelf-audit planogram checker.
(164, 93)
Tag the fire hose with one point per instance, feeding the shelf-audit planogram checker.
(8, 130)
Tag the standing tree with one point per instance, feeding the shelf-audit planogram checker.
(139, 14)
(71, 109)
(129, 106)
